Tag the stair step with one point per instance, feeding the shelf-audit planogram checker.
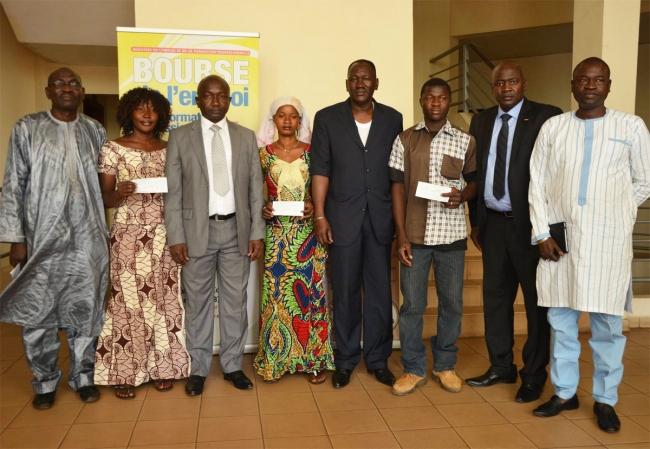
(472, 293)
(473, 324)
(640, 268)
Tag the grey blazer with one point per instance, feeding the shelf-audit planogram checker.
(186, 202)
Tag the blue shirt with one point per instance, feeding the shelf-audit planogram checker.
(502, 205)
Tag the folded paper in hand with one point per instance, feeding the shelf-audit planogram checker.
(15, 272)
(288, 208)
(432, 191)
(151, 185)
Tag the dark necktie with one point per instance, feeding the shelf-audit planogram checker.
(499, 182)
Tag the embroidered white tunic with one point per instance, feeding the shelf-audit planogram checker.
(593, 175)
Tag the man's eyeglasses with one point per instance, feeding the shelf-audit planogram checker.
(59, 84)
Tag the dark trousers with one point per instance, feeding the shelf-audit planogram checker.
(365, 264)
(506, 264)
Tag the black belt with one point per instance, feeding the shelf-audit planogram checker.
(507, 214)
(221, 217)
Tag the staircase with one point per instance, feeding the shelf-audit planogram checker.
(641, 268)
(469, 76)
(473, 324)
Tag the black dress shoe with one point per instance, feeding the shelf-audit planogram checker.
(554, 406)
(194, 385)
(89, 393)
(239, 379)
(528, 393)
(43, 401)
(383, 375)
(488, 379)
(341, 377)
(607, 419)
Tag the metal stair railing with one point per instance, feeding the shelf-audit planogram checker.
(474, 87)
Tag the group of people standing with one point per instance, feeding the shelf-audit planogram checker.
(522, 166)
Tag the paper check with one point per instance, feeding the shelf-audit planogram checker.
(288, 208)
(15, 272)
(432, 191)
(151, 185)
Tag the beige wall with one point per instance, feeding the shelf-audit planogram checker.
(307, 45)
(431, 37)
(549, 80)
(17, 94)
(476, 17)
(96, 80)
(642, 105)
(23, 77)
(16, 91)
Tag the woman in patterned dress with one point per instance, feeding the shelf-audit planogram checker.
(295, 330)
(143, 338)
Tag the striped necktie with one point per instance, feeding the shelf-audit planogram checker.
(499, 182)
(219, 164)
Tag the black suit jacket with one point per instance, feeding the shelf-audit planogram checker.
(358, 175)
(531, 118)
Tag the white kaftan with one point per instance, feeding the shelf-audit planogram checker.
(592, 174)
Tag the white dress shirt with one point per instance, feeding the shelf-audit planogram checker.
(218, 204)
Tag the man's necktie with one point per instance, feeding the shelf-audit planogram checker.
(499, 182)
(219, 165)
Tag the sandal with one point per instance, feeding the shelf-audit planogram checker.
(316, 377)
(128, 391)
(163, 385)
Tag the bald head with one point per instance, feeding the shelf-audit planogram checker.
(63, 72)
(593, 60)
(510, 65)
(508, 84)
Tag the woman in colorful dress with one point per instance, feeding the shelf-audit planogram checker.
(295, 329)
(143, 338)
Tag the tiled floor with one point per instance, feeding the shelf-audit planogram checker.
(294, 414)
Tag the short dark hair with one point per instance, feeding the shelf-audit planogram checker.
(592, 59)
(134, 98)
(209, 78)
(435, 82)
(363, 61)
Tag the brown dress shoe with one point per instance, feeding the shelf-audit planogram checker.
(407, 384)
(449, 381)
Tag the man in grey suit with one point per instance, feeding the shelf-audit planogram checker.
(213, 214)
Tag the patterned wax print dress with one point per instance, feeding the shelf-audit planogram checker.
(295, 329)
(143, 337)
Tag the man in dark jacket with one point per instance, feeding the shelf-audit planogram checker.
(501, 229)
(350, 148)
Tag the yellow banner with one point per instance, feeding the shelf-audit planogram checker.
(173, 62)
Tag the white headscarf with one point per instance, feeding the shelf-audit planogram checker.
(266, 134)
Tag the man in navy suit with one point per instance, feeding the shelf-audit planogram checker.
(350, 148)
(501, 229)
